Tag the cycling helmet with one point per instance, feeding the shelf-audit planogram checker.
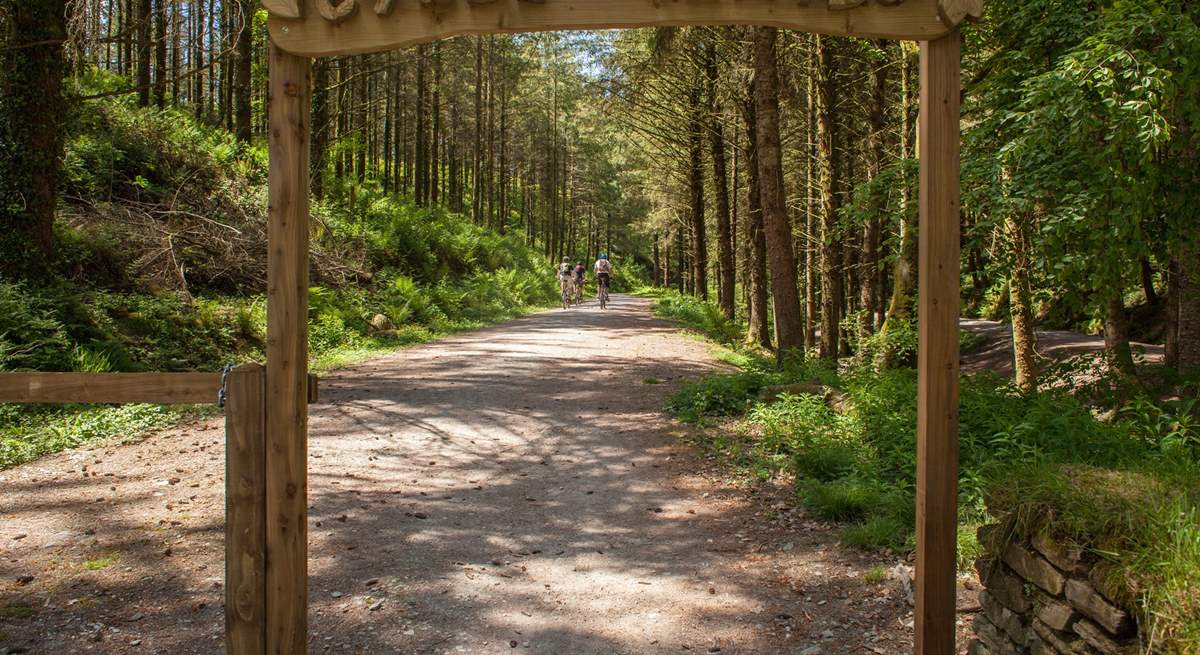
(603, 256)
(566, 260)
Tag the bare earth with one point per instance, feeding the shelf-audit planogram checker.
(516, 489)
(1052, 345)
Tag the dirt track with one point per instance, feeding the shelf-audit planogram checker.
(515, 489)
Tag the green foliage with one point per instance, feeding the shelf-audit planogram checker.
(720, 395)
(875, 575)
(27, 433)
(844, 499)
(859, 464)
(430, 271)
(1083, 132)
(703, 317)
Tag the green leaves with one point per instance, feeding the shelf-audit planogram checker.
(1082, 124)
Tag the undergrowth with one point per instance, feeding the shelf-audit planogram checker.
(161, 267)
(1126, 488)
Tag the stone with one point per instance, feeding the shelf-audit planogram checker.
(1007, 620)
(1034, 569)
(1039, 647)
(988, 537)
(978, 648)
(1003, 585)
(1095, 637)
(1066, 558)
(1054, 612)
(1064, 643)
(1090, 603)
(1100, 584)
(381, 323)
(995, 638)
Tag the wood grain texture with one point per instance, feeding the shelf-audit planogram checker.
(417, 21)
(245, 512)
(117, 388)
(284, 8)
(289, 98)
(937, 403)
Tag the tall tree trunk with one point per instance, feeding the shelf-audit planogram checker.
(435, 142)
(160, 53)
(197, 95)
(477, 155)
(870, 287)
(1188, 310)
(1171, 338)
(788, 323)
(1023, 336)
(32, 112)
(1148, 282)
(726, 266)
(696, 189)
(812, 205)
(904, 275)
(145, 20)
(320, 125)
(502, 170)
(245, 62)
(421, 165)
(759, 327)
(832, 283)
(1116, 334)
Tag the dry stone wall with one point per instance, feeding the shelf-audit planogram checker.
(1042, 598)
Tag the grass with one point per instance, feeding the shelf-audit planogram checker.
(27, 433)
(875, 575)
(100, 563)
(16, 611)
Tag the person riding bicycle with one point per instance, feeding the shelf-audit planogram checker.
(564, 273)
(604, 270)
(580, 273)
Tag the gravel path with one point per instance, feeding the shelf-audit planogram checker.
(515, 489)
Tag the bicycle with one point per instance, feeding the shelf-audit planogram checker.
(567, 292)
(578, 292)
(602, 294)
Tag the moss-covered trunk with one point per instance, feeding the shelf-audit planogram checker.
(31, 126)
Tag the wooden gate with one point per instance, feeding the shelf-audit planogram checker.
(242, 392)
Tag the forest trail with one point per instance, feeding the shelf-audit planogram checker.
(514, 489)
(996, 353)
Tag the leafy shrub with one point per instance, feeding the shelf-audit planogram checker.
(826, 462)
(720, 395)
(878, 531)
(844, 499)
(703, 317)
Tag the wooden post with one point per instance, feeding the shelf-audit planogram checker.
(289, 103)
(937, 405)
(245, 511)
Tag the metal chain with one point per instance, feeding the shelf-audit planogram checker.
(222, 395)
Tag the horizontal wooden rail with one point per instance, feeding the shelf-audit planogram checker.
(118, 388)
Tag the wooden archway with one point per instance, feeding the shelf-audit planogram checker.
(301, 29)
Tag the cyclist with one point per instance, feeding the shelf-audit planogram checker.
(565, 271)
(580, 273)
(604, 270)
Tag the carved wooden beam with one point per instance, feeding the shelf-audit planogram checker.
(321, 28)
